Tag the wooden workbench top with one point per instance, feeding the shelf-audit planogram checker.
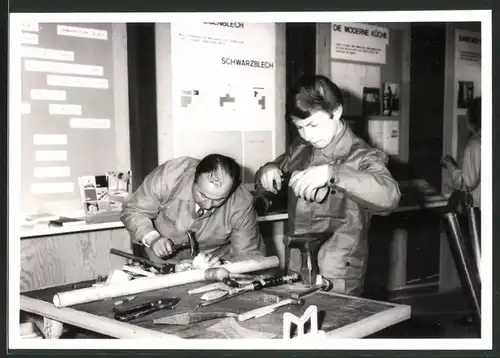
(336, 313)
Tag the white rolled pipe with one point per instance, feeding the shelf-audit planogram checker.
(89, 294)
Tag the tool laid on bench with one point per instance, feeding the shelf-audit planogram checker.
(130, 313)
(309, 245)
(262, 311)
(252, 286)
(187, 318)
(322, 284)
(162, 268)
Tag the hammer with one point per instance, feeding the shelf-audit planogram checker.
(309, 245)
(190, 244)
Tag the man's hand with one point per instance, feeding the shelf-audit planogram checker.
(271, 174)
(304, 183)
(161, 247)
(448, 162)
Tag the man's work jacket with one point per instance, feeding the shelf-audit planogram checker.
(164, 202)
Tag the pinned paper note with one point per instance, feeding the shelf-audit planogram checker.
(51, 155)
(45, 94)
(50, 139)
(72, 81)
(73, 109)
(52, 188)
(29, 38)
(60, 67)
(82, 32)
(101, 123)
(30, 26)
(46, 53)
(51, 172)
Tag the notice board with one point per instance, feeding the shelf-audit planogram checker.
(223, 91)
(68, 112)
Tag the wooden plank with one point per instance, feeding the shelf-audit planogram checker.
(103, 325)
(57, 260)
(372, 324)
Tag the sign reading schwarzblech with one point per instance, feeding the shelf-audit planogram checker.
(359, 42)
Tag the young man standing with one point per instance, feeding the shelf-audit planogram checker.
(204, 196)
(330, 157)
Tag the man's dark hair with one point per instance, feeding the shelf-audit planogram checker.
(213, 162)
(311, 94)
(474, 113)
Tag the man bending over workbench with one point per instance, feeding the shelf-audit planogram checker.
(201, 196)
(329, 159)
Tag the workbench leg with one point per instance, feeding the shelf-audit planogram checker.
(50, 329)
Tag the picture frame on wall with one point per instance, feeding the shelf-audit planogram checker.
(465, 93)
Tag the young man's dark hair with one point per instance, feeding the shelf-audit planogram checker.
(311, 94)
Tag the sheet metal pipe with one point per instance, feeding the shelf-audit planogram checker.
(468, 277)
(473, 219)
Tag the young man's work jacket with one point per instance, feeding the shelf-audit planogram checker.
(361, 185)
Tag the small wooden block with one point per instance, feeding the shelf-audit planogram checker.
(311, 314)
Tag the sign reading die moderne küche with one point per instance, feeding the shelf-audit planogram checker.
(359, 42)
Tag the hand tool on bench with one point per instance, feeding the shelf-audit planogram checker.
(187, 318)
(252, 286)
(225, 280)
(220, 274)
(309, 245)
(144, 309)
(162, 268)
(322, 284)
(262, 311)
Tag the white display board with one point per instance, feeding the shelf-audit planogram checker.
(359, 42)
(223, 91)
(468, 59)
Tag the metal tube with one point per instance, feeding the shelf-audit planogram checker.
(475, 236)
(470, 281)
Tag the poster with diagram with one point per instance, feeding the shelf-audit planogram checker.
(223, 80)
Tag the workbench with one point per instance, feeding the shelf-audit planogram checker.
(339, 316)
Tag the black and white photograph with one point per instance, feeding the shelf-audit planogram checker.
(285, 180)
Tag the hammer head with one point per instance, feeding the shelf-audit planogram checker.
(309, 245)
(190, 244)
